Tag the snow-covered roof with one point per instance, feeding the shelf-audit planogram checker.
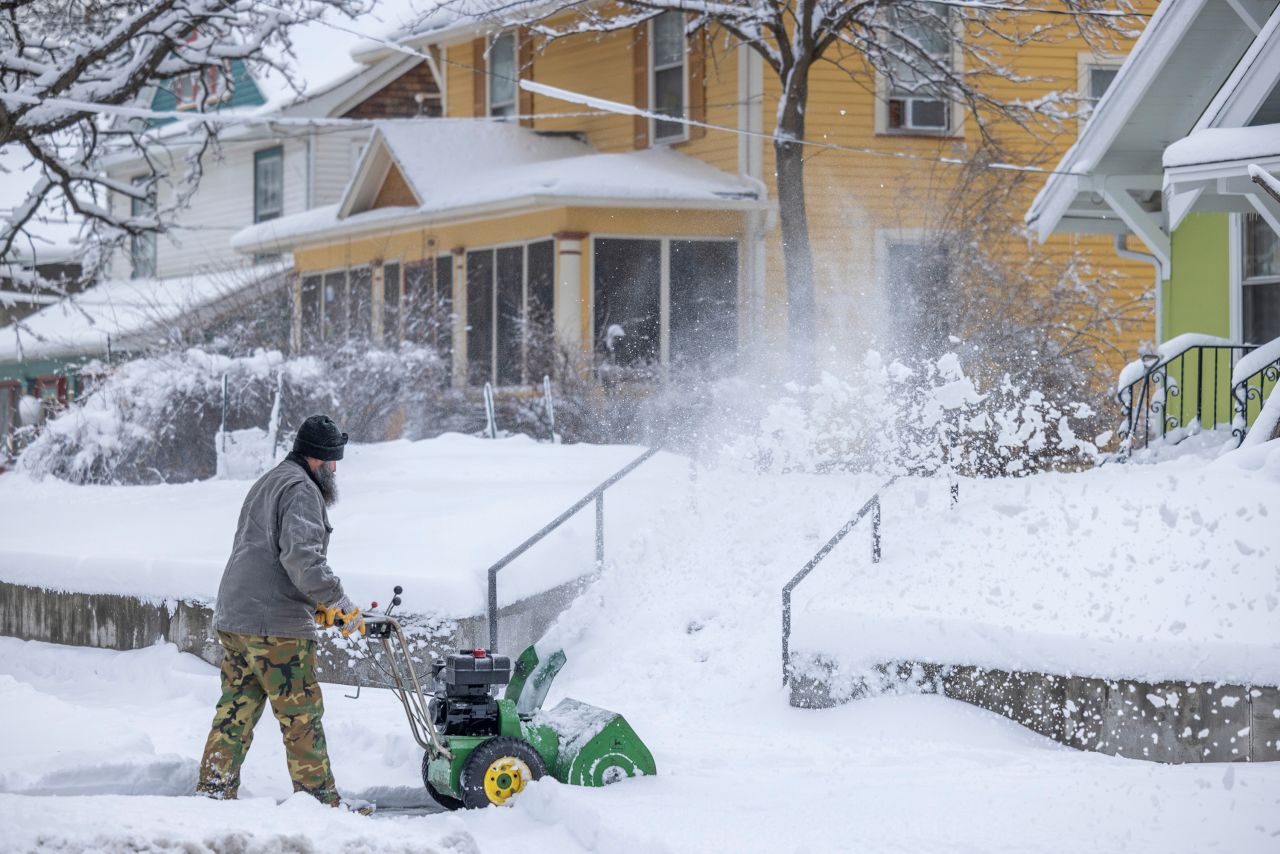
(123, 313)
(456, 167)
(1222, 145)
(1177, 66)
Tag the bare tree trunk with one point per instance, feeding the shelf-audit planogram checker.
(797, 254)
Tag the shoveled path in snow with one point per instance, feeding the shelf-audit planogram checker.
(105, 744)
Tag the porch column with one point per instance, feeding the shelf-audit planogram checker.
(572, 302)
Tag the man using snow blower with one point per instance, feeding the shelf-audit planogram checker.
(267, 603)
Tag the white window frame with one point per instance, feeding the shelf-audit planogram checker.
(683, 135)
(664, 285)
(1238, 264)
(956, 116)
(493, 299)
(515, 69)
(259, 156)
(1085, 64)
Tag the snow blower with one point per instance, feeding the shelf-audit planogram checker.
(482, 749)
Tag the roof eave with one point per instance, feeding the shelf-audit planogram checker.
(486, 210)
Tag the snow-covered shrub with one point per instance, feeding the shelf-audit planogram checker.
(154, 419)
(892, 418)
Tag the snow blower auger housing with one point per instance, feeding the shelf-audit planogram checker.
(482, 749)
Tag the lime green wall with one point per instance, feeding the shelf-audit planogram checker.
(1197, 297)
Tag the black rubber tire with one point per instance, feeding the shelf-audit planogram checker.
(471, 780)
(446, 801)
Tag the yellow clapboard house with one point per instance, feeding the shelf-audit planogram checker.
(643, 241)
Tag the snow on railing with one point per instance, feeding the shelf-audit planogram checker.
(1253, 373)
(1186, 386)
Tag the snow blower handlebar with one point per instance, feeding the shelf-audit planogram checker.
(406, 687)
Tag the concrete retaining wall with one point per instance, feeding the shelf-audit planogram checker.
(110, 621)
(1162, 721)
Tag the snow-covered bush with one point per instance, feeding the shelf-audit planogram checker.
(892, 418)
(154, 419)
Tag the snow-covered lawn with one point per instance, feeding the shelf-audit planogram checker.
(738, 770)
(431, 516)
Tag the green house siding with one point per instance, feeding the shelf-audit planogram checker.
(244, 93)
(1197, 298)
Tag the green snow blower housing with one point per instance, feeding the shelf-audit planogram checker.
(482, 749)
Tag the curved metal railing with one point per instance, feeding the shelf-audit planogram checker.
(1190, 386)
(1250, 389)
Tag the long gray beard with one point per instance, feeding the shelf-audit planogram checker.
(328, 482)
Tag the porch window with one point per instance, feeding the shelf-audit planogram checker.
(360, 304)
(391, 303)
(268, 184)
(142, 247)
(704, 305)
(691, 283)
(312, 312)
(669, 75)
(502, 76)
(428, 305)
(334, 307)
(1261, 282)
(509, 292)
(917, 279)
(921, 54)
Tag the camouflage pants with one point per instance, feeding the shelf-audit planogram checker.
(255, 671)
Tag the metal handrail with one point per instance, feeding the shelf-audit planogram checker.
(596, 495)
(1167, 376)
(1245, 391)
(873, 507)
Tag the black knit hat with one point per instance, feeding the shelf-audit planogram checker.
(320, 439)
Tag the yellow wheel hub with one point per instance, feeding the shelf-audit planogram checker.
(505, 777)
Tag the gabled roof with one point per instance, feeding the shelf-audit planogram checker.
(460, 168)
(1186, 53)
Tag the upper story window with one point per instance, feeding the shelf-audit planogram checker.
(502, 76)
(1096, 77)
(669, 75)
(923, 53)
(268, 184)
(142, 247)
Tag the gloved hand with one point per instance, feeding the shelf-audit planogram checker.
(344, 614)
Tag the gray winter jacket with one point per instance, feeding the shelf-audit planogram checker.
(277, 571)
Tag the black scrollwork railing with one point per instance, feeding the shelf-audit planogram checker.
(1188, 389)
(1249, 393)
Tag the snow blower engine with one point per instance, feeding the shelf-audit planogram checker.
(482, 749)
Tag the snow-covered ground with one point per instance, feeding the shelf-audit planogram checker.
(431, 516)
(1088, 571)
(101, 747)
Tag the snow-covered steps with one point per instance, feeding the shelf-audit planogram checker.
(1168, 721)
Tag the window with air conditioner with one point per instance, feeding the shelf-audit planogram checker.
(922, 53)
